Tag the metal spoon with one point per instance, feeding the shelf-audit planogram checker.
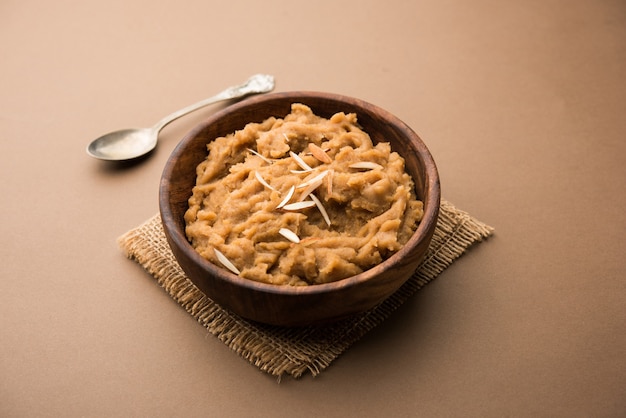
(132, 143)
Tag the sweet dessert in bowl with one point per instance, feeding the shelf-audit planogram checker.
(300, 207)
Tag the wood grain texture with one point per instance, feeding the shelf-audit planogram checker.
(286, 305)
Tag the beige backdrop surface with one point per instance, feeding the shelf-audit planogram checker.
(521, 103)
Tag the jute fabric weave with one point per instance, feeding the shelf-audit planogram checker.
(283, 351)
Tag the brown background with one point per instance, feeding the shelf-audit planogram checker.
(522, 104)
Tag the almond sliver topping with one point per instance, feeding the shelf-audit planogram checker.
(300, 161)
(292, 189)
(262, 181)
(319, 153)
(311, 185)
(299, 205)
(259, 155)
(289, 234)
(321, 208)
(313, 180)
(225, 261)
(310, 189)
(366, 165)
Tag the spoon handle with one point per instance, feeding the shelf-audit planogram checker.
(259, 83)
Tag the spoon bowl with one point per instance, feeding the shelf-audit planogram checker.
(128, 144)
(124, 144)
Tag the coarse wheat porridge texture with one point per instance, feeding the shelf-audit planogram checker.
(301, 200)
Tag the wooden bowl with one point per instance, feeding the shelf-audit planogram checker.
(288, 305)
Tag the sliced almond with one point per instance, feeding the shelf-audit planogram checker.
(299, 205)
(289, 234)
(311, 187)
(321, 208)
(300, 161)
(259, 155)
(309, 240)
(366, 165)
(323, 149)
(262, 181)
(292, 189)
(319, 153)
(312, 180)
(225, 261)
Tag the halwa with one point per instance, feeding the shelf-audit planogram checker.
(301, 200)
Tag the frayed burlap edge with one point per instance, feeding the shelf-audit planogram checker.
(294, 351)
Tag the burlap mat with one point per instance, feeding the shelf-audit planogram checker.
(294, 351)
